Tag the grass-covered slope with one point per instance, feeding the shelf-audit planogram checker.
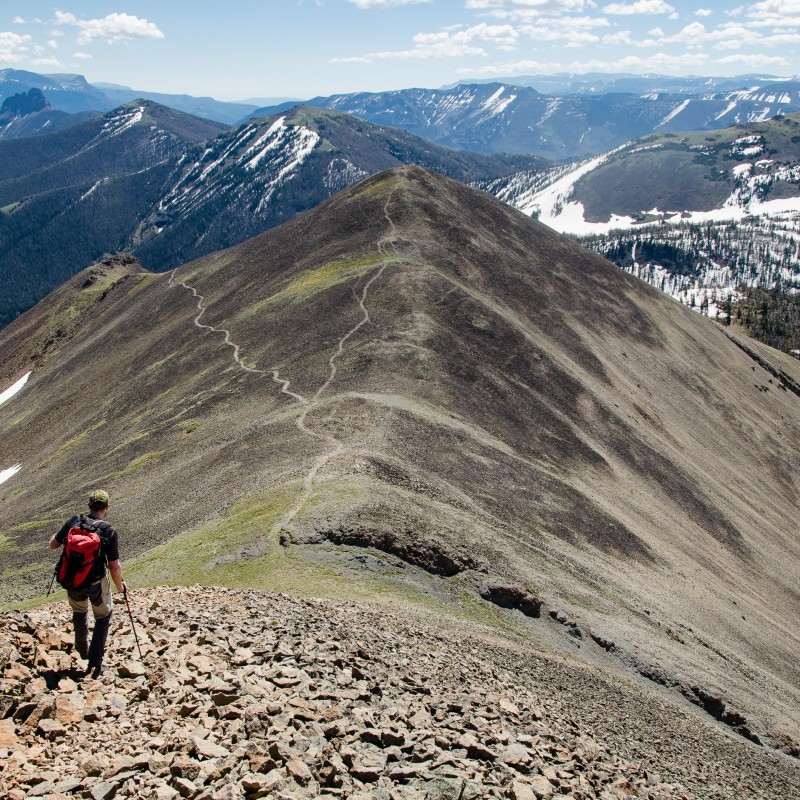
(414, 392)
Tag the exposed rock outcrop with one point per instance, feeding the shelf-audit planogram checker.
(246, 695)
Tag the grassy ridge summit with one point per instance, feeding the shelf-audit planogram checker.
(171, 187)
(414, 394)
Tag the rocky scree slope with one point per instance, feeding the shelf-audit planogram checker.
(247, 695)
(415, 393)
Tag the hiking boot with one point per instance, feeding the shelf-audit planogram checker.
(98, 645)
(81, 633)
(95, 672)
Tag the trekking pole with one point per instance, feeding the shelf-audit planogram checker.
(133, 627)
(52, 581)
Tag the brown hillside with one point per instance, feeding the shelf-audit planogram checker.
(495, 413)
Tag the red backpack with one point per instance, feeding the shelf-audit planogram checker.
(83, 559)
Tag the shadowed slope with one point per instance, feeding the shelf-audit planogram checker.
(416, 368)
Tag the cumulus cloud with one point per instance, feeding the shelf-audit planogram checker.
(18, 21)
(82, 56)
(527, 9)
(620, 38)
(571, 37)
(657, 62)
(524, 67)
(754, 60)
(14, 47)
(639, 7)
(112, 29)
(45, 62)
(703, 12)
(367, 4)
(450, 43)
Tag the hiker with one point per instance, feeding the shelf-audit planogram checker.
(82, 572)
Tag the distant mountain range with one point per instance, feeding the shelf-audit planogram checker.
(559, 117)
(605, 83)
(172, 187)
(496, 117)
(73, 93)
(30, 114)
(697, 214)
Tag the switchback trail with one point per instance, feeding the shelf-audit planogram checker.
(335, 446)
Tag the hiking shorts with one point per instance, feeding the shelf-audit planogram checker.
(99, 594)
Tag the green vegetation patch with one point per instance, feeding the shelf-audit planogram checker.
(137, 464)
(381, 187)
(325, 277)
(70, 443)
(771, 316)
(197, 556)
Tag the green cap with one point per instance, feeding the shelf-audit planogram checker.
(99, 497)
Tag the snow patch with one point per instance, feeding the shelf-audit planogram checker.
(12, 390)
(674, 113)
(10, 472)
(494, 105)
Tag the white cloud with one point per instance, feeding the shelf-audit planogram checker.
(14, 47)
(580, 22)
(773, 13)
(657, 62)
(112, 29)
(18, 21)
(620, 38)
(754, 60)
(525, 67)
(82, 56)
(45, 62)
(560, 33)
(453, 42)
(385, 3)
(53, 44)
(704, 12)
(639, 7)
(527, 9)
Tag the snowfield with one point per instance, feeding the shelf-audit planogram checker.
(4, 397)
(749, 240)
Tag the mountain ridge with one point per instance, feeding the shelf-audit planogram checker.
(170, 186)
(697, 214)
(505, 117)
(414, 387)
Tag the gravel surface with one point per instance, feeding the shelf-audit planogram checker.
(242, 694)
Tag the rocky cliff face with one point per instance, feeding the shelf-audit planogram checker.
(20, 105)
(247, 695)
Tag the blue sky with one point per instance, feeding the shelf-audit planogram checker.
(301, 48)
